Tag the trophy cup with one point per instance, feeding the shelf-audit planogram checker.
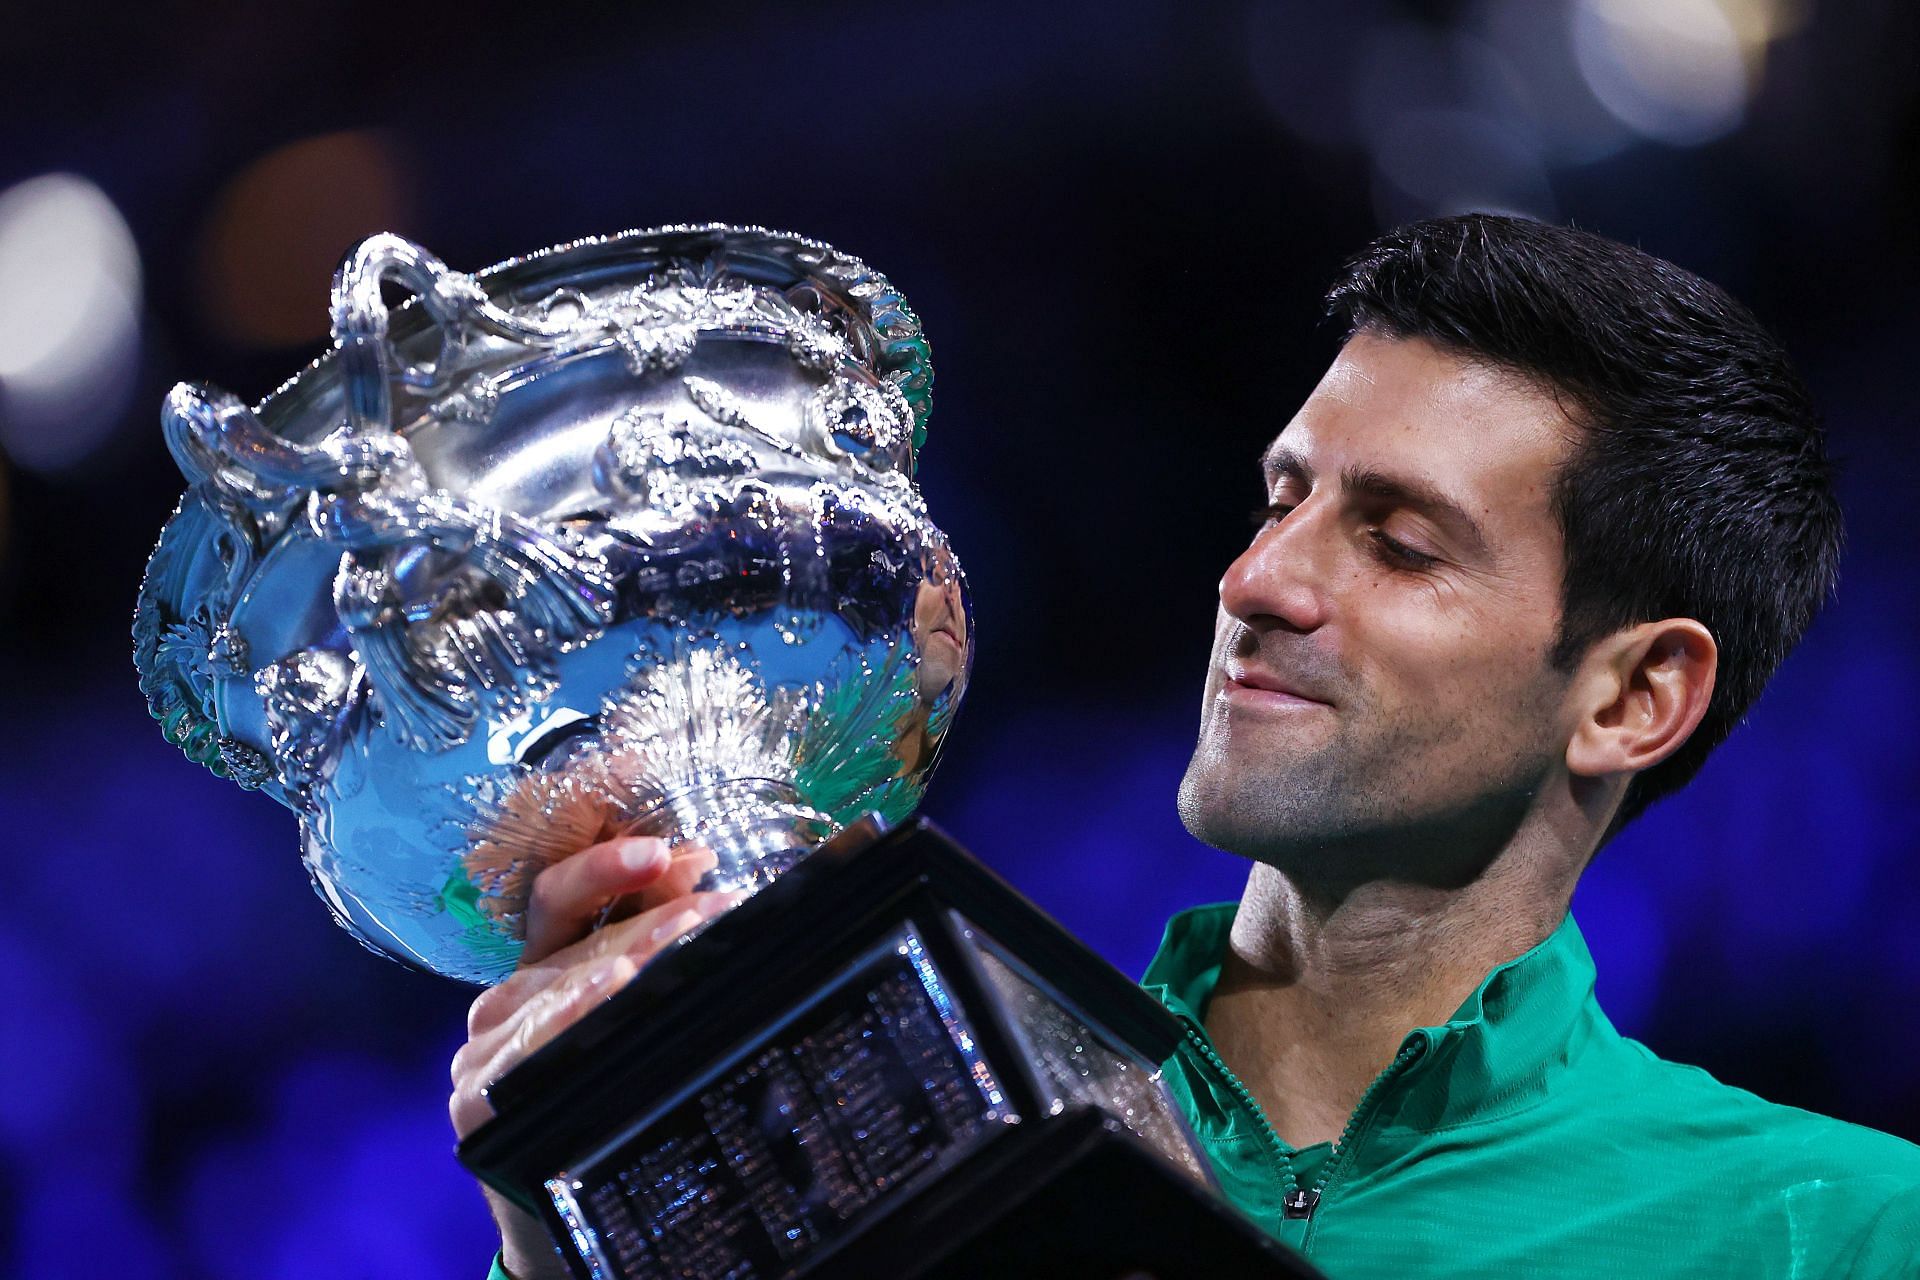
(622, 538)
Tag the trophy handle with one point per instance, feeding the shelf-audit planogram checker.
(364, 493)
(215, 438)
(456, 302)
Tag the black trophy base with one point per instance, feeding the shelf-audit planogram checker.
(1075, 1198)
(887, 1063)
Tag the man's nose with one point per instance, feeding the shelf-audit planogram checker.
(1281, 576)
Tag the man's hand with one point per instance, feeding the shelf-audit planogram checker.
(566, 970)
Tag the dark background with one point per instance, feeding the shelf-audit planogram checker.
(1115, 220)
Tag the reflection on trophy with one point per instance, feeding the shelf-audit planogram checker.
(623, 538)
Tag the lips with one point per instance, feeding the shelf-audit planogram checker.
(950, 627)
(1266, 687)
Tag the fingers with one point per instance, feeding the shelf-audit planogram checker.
(566, 904)
(690, 862)
(568, 967)
(640, 938)
(515, 1019)
(569, 896)
(555, 1009)
(492, 1054)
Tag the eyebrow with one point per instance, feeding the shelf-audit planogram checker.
(1279, 461)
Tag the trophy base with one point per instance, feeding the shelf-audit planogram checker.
(1075, 1197)
(888, 1062)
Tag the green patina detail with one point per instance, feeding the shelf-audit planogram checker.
(459, 897)
(835, 772)
(202, 743)
(894, 800)
(171, 667)
(198, 739)
(911, 357)
(912, 366)
(921, 403)
(905, 355)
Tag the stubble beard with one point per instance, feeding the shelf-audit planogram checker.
(1418, 799)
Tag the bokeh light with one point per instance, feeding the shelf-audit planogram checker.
(1116, 221)
(278, 229)
(69, 319)
(1445, 118)
(1672, 70)
(1535, 42)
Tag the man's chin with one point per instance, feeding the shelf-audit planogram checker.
(1275, 816)
(1214, 816)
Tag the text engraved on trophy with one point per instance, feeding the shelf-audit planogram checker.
(781, 1154)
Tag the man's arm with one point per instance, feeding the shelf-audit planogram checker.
(567, 969)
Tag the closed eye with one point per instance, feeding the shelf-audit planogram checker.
(1396, 552)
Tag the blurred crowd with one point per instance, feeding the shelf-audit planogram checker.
(1115, 220)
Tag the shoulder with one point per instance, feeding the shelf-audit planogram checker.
(1704, 1112)
(1829, 1190)
(1888, 1246)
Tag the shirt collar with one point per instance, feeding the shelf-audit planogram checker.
(1496, 1055)
(1186, 968)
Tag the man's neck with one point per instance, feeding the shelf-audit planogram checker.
(1315, 998)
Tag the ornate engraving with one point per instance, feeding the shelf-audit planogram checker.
(847, 416)
(647, 451)
(419, 569)
(657, 348)
(247, 766)
(472, 401)
(717, 402)
(306, 696)
(181, 655)
(694, 719)
(817, 348)
(674, 745)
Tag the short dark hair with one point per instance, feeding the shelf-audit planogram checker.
(1700, 486)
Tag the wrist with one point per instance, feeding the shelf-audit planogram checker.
(514, 1264)
(526, 1251)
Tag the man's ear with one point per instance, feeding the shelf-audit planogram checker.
(1642, 691)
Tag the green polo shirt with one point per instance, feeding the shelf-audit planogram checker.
(1526, 1136)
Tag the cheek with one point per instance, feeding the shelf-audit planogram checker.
(1442, 652)
(1225, 629)
(1226, 633)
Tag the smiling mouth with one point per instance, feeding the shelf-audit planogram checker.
(1272, 699)
(1264, 691)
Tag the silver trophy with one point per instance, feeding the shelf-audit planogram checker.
(623, 538)
(617, 538)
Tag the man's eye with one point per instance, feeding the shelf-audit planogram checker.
(1399, 553)
(1264, 516)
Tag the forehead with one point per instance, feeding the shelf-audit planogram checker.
(1411, 410)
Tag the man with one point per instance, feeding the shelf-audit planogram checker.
(1531, 549)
